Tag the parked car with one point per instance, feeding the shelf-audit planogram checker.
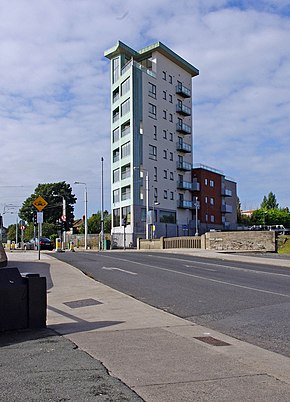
(45, 244)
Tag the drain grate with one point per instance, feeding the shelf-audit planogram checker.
(82, 303)
(211, 341)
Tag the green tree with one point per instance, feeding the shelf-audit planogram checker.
(11, 233)
(269, 202)
(54, 194)
(94, 223)
(274, 216)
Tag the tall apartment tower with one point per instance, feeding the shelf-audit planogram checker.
(151, 137)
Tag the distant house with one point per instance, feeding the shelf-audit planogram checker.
(248, 212)
(77, 224)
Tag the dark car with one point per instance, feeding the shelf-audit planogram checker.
(45, 244)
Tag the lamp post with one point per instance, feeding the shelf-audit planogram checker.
(155, 203)
(86, 211)
(196, 227)
(102, 203)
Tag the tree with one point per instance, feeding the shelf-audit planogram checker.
(54, 194)
(94, 223)
(272, 216)
(269, 202)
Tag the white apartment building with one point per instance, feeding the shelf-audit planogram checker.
(151, 137)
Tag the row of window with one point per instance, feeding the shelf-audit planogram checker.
(153, 153)
(125, 212)
(125, 130)
(209, 182)
(125, 152)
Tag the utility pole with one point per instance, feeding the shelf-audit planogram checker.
(102, 203)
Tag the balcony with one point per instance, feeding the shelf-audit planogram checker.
(185, 204)
(183, 128)
(183, 147)
(182, 109)
(183, 166)
(195, 186)
(183, 91)
(227, 209)
(226, 192)
(184, 185)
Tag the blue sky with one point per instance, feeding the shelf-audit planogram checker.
(55, 90)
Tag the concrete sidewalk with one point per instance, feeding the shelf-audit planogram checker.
(158, 355)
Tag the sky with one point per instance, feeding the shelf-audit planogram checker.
(55, 91)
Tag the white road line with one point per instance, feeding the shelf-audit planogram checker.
(202, 278)
(119, 269)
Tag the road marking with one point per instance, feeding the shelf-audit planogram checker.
(118, 269)
(204, 269)
(201, 277)
(255, 271)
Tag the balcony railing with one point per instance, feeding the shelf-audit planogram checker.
(226, 192)
(183, 147)
(183, 166)
(115, 117)
(184, 185)
(125, 131)
(182, 109)
(195, 186)
(227, 208)
(183, 128)
(183, 91)
(184, 204)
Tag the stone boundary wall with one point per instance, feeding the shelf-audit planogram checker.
(241, 241)
(3, 256)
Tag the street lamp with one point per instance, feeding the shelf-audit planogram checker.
(102, 203)
(196, 227)
(155, 203)
(86, 212)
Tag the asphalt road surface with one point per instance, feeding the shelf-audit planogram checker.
(250, 302)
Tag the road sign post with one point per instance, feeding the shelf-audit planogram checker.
(39, 203)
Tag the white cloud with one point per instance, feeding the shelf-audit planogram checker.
(55, 88)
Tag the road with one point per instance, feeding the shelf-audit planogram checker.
(250, 302)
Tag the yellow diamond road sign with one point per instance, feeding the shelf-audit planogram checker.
(39, 203)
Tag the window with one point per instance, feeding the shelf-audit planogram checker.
(155, 194)
(152, 90)
(125, 129)
(212, 218)
(116, 175)
(126, 213)
(171, 156)
(171, 195)
(125, 107)
(165, 174)
(164, 94)
(155, 173)
(164, 134)
(164, 114)
(170, 79)
(164, 154)
(164, 75)
(152, 110)
(152, 152)
(171, 136)
(155, 132)
(171, 117)
(125, 193)
(205, 181)
(125, 86)
(125, 150)
(116, 217)
(125, 172)
(115, 115)
(206, 217)
(171, 176)
(116, 155)
(211, 201)
(170, 98)
(205, 200)
(116, 95)
(116, 69)
(116, 134)
(116, 195)
(167, 217)
(211, 183)
(165, 195)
